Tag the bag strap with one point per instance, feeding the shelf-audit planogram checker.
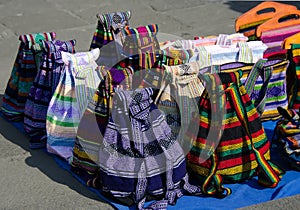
(269, 173)
(265, 73)
(213, 183)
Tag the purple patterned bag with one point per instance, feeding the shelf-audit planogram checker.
(42, 90)
(137, 134)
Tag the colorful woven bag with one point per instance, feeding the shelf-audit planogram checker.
(141, 42)
(85, 161)
(76, 87)
(108, 34)
(138, 134)
(42, 91)
(23, 73)
(177, 99)
(243, 148)
(266, 85)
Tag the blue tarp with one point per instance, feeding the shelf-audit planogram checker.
(243, 194)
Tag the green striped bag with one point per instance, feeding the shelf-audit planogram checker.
(77, 85)
(240, 150)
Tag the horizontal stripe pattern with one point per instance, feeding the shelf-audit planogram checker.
(75, 88)
(236, 158)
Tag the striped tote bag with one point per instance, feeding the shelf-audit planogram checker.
(25, 68)
(265, 83)
(239, 148)
(267, 87)
(141, 43)
(85, 160)
(76, 87)
(42, 91)
(177, 99)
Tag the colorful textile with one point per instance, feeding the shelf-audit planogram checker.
(274, 39)
(247, 52)
(239, 147)
(109, 37)
(42, 90)
(76, 87)
(141, 42)
(270, 90)
(221, 39)
(138, 134)
(23, 73)
(95, 118)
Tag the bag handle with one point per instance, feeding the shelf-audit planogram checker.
(261, 13)
(213, 183)
(265, 73)
(280, 20)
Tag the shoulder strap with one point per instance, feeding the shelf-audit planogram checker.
(265, 73)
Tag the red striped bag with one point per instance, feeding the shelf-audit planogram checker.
(243, 148)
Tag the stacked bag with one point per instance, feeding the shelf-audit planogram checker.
(184, 115)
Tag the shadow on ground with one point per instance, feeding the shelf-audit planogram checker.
(42, 160)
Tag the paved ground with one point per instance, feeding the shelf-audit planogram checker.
(31, 179)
